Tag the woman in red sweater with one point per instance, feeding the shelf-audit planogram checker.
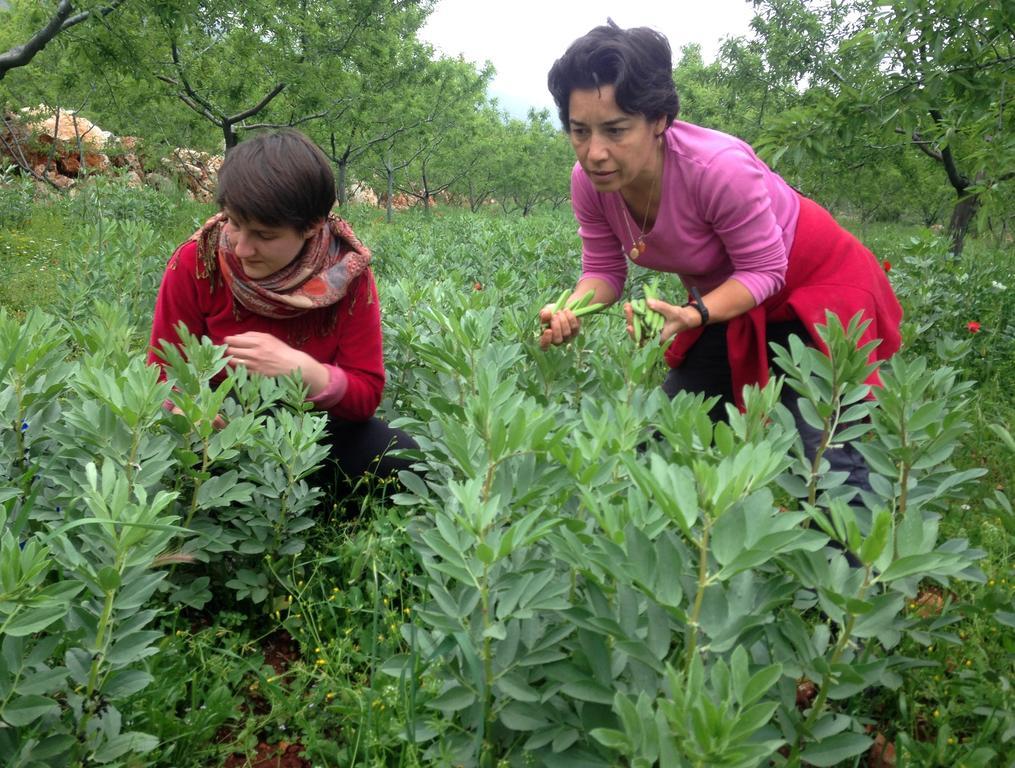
(287, 286)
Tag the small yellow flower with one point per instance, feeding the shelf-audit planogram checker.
(937, 713)
(991, 583)
(969, 662)
(951, 740)
(329, 695)
(320, 662)
(317, 649)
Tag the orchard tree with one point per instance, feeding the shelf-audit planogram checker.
(439, 154)
(366, 110)
(536, 161)
(934, 75)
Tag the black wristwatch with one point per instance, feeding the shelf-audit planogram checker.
(699, 305)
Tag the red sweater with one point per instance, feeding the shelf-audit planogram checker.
(828, 269)
(353, 347)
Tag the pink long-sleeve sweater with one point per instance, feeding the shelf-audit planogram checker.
(723, 214)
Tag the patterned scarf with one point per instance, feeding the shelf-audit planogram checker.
(309, 287)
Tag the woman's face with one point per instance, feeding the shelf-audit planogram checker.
(263, 250)
(617, 150)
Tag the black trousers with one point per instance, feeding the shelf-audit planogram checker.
(706, 370)
(362, 449)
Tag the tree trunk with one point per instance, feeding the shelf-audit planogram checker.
(343, 166)
(390, 172)
(962, 216)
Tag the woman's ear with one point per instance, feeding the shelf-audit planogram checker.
(313, 229)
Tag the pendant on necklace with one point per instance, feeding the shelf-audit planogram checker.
(637, 250)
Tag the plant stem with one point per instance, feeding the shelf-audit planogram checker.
(487, 689)
(692, 624)
(822, 697)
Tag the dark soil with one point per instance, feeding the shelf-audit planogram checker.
(281, 755)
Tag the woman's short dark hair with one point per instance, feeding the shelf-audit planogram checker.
(280, 180)
(637, 62)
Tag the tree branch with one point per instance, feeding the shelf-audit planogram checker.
(923, 145)
(959, 182)
(275, 126)
(257, 107)
(101, 12)
(20, 55)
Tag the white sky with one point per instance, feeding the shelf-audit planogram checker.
(522, 38)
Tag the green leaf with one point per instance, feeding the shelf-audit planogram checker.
(516, 688)
(30, 620)
(588, 690)
(760, 683)
(834, 750)
(1005, 617)
(612, 739)
(24, 710)
(109, 579)
(123, 743)
(520, 716)
(876, 541)
(453, 700)
(909, 566)
(42, 681)
(751, 720)
(133, 647)
(53, 746)
(125, 682)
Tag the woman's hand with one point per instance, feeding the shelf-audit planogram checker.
(677, 318)
(268, 355)
(561, 326)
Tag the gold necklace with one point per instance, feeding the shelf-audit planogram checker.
(638, 246)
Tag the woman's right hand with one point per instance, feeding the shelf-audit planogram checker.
(561, 327)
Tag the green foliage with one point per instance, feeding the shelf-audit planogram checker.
(567, 561)
(578, 571)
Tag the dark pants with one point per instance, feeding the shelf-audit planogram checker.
(706, 370)
(362, 449)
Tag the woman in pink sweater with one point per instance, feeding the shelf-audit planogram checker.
(759, 260)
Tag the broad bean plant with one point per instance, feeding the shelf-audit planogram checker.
(611, 577)
(114, 509)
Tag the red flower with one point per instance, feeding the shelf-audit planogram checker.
(973, 327)
(886, 265)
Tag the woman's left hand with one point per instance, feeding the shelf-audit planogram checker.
(264, 353)
(677, 318)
